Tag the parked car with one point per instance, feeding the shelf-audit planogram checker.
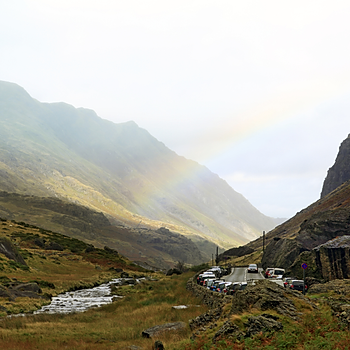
(206, 277)
(202, 275)
(277, 272)
(253, 268)
(222, 286)
(215, 285)
(232, 288)
(268, 272)
(209, 283)
(286, 281)
(297, 285)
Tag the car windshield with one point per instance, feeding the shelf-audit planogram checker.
(253, 265)
(298, 283)
(279, 272)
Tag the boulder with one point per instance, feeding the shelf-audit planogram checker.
(10, 251)
(158, 345)
(173, 271)
(54, 246)
(264, 323)
(228, 331)
(167, 327)
(204, 319)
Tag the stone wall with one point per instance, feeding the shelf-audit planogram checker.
(212, 299)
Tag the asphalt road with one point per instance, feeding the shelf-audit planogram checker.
(240, 274)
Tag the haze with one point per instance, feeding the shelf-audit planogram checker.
(259, 92)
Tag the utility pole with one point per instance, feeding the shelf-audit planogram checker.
(263, 241)
(217, 256)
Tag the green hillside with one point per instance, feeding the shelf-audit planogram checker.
(56, 150)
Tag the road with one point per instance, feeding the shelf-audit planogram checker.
(239, 274)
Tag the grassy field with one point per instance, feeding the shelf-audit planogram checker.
(119, 325)
(114, 326)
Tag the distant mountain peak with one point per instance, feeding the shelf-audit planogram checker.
(340, 171)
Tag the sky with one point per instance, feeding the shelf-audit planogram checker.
(258, 91)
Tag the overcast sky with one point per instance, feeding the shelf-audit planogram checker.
(258, 91)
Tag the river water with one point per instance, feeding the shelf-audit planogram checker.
(81, 300)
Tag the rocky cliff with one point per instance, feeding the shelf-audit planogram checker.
(328, 261)
(294, 242)
(340, 171)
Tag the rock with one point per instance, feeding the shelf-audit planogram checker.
(173, 271)
(158, 345)
(228, 331)
(28, 287)
(267, 295)
(54, 246)
(340, 171)
(110, 250)
(264, 323)
(10, 251)
(18, 290)
(90, 248)
(124, 275)
(180, 307)
(167, 327)
(40, 242)
(127, 281)
(281, 252)
(204, 319)
(342, 287)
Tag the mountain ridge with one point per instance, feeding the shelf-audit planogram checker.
(55, 149)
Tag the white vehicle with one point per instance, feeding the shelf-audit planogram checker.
(277, 272)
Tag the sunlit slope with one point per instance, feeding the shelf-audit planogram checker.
(119, 169)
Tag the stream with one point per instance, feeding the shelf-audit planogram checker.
(81, 300)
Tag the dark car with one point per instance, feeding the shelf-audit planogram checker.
(232, 288)
(253, 268)
(287, 280)
(297, 285)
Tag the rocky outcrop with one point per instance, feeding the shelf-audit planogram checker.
(20, 290)
(328, 261)
(341, 286)
(340, 171)
(333, 258)
(228, 331)
(264, 323)
(281, 252)
(267, 295)
(10, 251)
(315, 231)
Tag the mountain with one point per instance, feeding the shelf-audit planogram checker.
(56, 150)
(151, 248)
(340, 171)
(318, 235)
